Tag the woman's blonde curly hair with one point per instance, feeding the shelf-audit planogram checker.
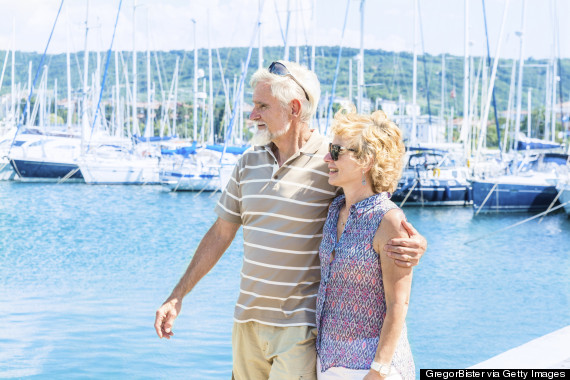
(378, 144)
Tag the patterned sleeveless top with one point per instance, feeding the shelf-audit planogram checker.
(351, 304)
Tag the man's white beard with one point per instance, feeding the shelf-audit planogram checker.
(261, 137)
(264, 137)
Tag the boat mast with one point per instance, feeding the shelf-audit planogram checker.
(361, 61)
(149, 130)
(13, 68)
(259, 50)
(211, 83)
(28, 116)
(442, 110)
(84, 121)
(68, 63)
(415, 76)
(314, 15)
(465, 127)
(286, 55)
(529, 113)
(350, 80)
(118, 112)
(489, 97)
(195, 86)
(510, 105)
(519, 87)
(135, 113)
(175, 107)
(297, 32)
(554, 18)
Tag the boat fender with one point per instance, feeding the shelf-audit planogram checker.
(469, 194)
(436, 172)
(447, 191)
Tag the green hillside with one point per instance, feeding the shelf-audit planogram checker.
(388, 75)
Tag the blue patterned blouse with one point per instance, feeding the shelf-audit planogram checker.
(351, 305)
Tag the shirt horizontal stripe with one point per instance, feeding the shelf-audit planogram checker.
(228, 211)
(276, 298)
(277, 282)
(274, 324)
(279, 266)
(324, 174)
(276, 309)
(285, 200)
(232, 196)
(284, 216)
(272, 249)
(282, 233)
(255, 167)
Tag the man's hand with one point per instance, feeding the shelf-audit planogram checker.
(165, 317)
(407, 252)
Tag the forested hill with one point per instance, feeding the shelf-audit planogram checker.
(387, 74)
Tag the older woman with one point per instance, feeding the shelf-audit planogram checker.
(363, 295)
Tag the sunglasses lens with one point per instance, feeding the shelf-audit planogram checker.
(278, 69)
(334, 150)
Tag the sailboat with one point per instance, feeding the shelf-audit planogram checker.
(433, 177)
(531, 189)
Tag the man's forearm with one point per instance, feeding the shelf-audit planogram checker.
(209, 251)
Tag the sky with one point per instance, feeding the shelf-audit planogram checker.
(388, 25)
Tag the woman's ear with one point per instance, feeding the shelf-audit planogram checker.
(368, 164)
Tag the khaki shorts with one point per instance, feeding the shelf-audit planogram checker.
(263, 352)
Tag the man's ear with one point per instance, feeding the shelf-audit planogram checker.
(295, 107)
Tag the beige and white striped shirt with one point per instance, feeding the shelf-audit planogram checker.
(282, 210)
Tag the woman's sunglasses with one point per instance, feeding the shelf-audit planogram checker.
(335, 150)
(280, 69)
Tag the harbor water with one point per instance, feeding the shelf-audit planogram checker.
(84, 268)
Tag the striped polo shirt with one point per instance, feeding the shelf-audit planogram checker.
(282, 211)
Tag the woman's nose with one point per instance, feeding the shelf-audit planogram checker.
(328, 157)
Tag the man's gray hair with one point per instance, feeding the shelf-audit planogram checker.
(286, 89)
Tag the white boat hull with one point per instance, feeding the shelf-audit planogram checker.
(124, 171)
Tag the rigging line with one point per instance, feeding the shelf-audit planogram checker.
(105, 75)
(75, 56)
(35, 79)
(494, 101)
(4, 67)
(557, 41)
(424, 61)
(516, 224)
(329, 112)
(279, 21)
(223, 80)
(303, 25)
(241, 82)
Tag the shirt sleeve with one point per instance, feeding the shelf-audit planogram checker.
(229, 205)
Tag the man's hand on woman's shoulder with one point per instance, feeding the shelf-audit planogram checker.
(407, 252)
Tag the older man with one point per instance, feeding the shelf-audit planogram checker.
(279, 193)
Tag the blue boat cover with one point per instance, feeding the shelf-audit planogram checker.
(536, 144)
(229, 149)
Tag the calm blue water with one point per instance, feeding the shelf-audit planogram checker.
(84, 268)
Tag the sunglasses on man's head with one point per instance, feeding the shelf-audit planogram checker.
(335, 150)
(280, 69)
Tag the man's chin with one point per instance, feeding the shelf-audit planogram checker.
(261, 138)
